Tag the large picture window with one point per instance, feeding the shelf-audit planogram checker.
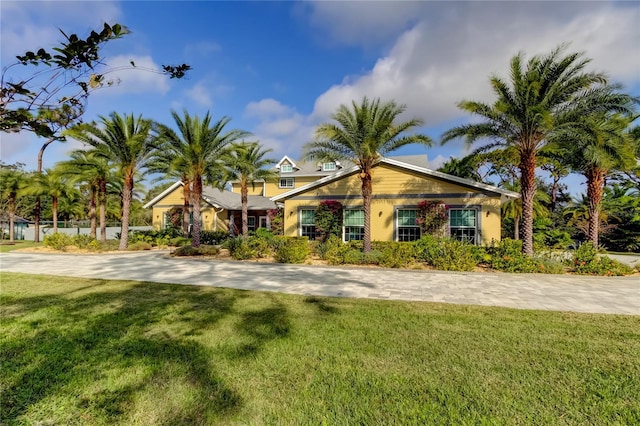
(406, 225)
(353, 225)
(308, 223)
(463, 224)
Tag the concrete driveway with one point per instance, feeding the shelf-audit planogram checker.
(615, 295)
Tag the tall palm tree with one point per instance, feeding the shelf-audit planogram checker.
(363, 134)
(56, 185)
(127, 142)
(12, 184)
(194, 153)
(244, 162)
(90, 167)
(596, 148)
(549, 93)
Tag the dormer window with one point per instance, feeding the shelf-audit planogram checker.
(286, 168)
(329, 167)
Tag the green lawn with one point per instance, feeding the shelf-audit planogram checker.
(79, 351)
(6, 247)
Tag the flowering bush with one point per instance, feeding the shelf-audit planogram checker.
(276, 220)
(432, 217)
(175, 217)
(328, 219)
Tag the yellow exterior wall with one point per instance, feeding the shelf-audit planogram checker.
(253, 189)
(212, 219)
(272, 187)
(396, 186)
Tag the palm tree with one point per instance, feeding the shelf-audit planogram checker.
(363, 134)
(90, 167)
(466, 167)
(549, 94)
(600, 145)
(194, 154)
(128, 143)
(55, 184)
(12, 184)
(245, 162)
(512, 209)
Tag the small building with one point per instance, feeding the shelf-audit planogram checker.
(19, 225)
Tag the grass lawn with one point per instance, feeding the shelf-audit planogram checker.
(81, 351)
(5, 247)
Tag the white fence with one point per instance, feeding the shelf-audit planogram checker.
(29, 233)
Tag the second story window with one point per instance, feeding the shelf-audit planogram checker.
(329, 167)
(286, 183)
(286, 168)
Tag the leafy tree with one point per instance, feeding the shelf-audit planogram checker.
(512, 209)
(599, 145)
(194, 153)
(466, 167)
(546, 94)
(12, 184)
(245, 162)
(127, 142)
(621, 205)
(329, 219)
(363, 134)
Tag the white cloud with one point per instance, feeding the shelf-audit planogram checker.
(454, 48)
(200, 95)
(266, 108)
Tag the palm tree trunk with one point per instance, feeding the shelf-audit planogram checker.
(595, 185)
(528, 189)
(366, 198)
(127, 195)
(102, 200)
(516, 228)
(54, 210)
(245, 210)
(37, 211)
(12, 218)
(186, 194)
(92, 211)
(197, 199)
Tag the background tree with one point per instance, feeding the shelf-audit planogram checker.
(194, 152)
(12, 184)
(466, 167)
(549, 93)
(245, 163)
(54, 184)
(363, 134)
(599, 145)
(127, 142)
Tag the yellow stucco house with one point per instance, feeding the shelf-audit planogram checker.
(399, 185)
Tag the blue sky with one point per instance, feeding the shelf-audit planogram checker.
(280, 68)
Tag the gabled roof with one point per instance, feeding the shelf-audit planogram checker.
(220, 199)
(287, 159)
(404, 165)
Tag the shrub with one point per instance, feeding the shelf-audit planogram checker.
(276, 221)
(328, 219)
(292, 250)
(203, 250)
(587, 262)
(212, 238)
(179, 241)
(507, 256)
(546, 264)
(454, 255)
(261, 247)
(426, 248)
(140, 245)
(240, 249)
(330, 247)
(58, 241)
(395, 254)
(82, 241)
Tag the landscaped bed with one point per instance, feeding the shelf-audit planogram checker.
(80, 351)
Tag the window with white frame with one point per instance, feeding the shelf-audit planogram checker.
(308, 223)
(463, 224)
(251, 223)
(406, 225)
(287, 183)
(353, 225)
(286, 168)
(329, 166)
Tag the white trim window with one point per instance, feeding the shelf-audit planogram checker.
(308, 223)
(287, 183)
(329, 166)
(251, 223)
(353, 225)
(463, 225)
(407, 227)
(286, 168)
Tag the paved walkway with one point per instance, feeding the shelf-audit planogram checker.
(620, 295)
